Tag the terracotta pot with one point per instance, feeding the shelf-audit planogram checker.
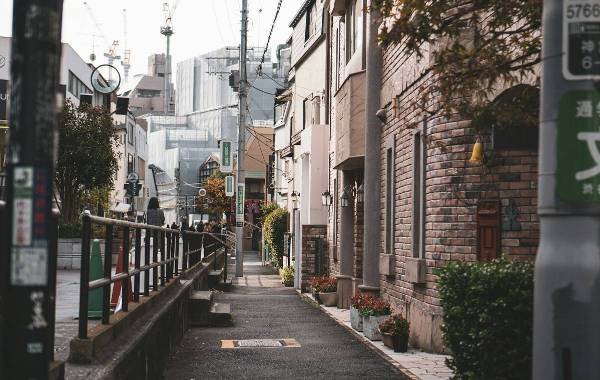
(328, 299)
(371, 326)
(400, 343)
(388, 340)
(356, 320)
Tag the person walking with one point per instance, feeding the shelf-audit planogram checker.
(154, 215)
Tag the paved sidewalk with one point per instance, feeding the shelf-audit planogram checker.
(263, 309)
(416, 364)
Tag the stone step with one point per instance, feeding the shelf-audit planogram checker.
(214, 278)
(224, 286)
(200, 304)
(220, 315)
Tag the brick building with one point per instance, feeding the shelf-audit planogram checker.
(435, 205)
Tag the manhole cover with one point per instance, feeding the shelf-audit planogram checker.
(260, 343)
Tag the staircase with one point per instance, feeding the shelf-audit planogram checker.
(204, 312)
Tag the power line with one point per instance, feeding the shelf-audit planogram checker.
(259, 69)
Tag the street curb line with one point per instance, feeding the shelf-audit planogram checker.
(409, 375)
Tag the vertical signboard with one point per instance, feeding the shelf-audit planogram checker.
(226, 157)
(229, 186)
(3, 101)
(239, 204)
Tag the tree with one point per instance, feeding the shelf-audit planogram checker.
(87, 162)
(215, 202)
(475, 47)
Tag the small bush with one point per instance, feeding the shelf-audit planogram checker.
(287, 276)
(396, 325)
(488, 315)
(274, 228)
(374, 307)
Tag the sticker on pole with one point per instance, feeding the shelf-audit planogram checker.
(581, 39)
(578, 170)
(229, 186)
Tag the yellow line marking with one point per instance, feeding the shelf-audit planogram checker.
(287, 343)
(227, 344)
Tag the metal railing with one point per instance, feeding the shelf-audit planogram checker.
(161, 254)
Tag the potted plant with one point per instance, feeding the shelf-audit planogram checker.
(356, 319)
(325, 290)
(287, 276)
(374, 311)
(395, 332)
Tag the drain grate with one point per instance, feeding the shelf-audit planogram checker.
(260, 343)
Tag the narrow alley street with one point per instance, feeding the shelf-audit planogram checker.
(263, 309)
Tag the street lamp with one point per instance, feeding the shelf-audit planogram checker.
(294, 197)
(326, 198)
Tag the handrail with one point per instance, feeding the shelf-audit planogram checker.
(158, 242)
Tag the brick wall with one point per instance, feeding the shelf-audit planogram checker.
(311, 236)
(453, 189)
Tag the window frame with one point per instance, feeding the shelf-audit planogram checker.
(419, 191)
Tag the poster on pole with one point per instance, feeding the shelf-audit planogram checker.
(226, 157)
(239, 204)
(229, 186)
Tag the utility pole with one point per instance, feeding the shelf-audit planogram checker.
(566, 339)
(241, 173)
(28, 243)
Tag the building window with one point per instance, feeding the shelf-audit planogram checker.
(306, 114)
(418, 218)
(130, 164)
(130, 133)
(311, 21)
(389, 202)
(76, 87)
(337, 57)
(354, 26)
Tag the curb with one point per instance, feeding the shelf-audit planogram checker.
(367, 343)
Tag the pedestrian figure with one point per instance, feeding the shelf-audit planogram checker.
(155, 216)
(174, 226)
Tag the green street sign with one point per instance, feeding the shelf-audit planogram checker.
(229, 186)
(578, 172)
(240, 200)
(226, 157)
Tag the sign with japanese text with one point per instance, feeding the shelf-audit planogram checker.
(3, 100)
(240, 204)
(229, 186)
(578, 171)
(226, 157)
(581, 39)
(30, 234)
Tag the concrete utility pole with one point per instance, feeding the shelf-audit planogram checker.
(567, 273)
(241, 172)
(372, 186)
(28, 243)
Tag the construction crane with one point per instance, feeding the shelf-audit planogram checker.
(167, 31)
(126, 61)
(111, 54)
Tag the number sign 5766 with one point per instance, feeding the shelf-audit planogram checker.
(586, 10)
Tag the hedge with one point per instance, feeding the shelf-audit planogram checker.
(488, 318)
(274, 228)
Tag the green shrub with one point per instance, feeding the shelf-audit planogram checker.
(488, 316)
(73, 231)
(274, 228)
(266, 209)
(287, 276)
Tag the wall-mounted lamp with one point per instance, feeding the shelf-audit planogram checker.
(360, 194)
(326, 198)
(345, 199)
(294, 197)
(478, 155)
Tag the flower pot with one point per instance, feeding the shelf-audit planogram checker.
(388, 340)
(356, 320)
(328, 299)
(400, 343)
(371, 326)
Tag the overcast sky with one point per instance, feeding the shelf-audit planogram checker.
(200, 26)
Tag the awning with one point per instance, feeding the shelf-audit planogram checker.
(121, 207)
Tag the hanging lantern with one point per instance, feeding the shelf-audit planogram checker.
(294, 198)
(478, 155)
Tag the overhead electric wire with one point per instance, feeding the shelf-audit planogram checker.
(259, 69)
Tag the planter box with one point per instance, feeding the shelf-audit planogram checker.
(396, 343)
(356, 320)
(328, 299)
(371, 326)
(388, 340)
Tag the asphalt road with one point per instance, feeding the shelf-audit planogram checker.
(263, 309)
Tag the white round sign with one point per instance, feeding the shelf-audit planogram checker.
(202, 192)
(132, 177)
(106, 79)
